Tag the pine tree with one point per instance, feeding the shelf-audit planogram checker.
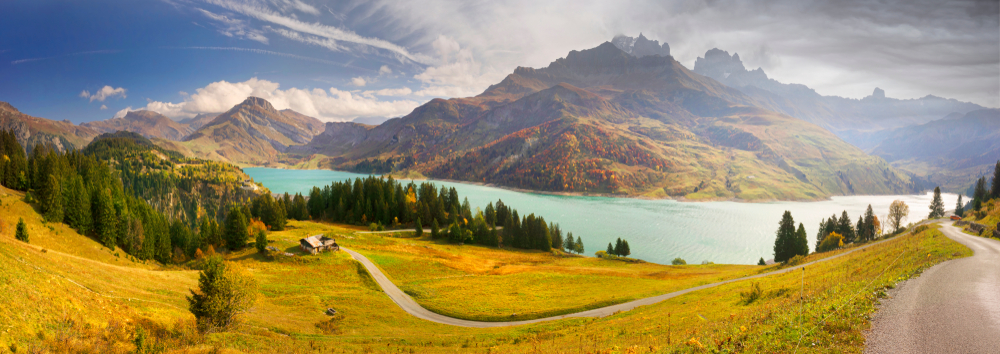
(570, 243)
(611, 249)
(959, 206)
(261, 242)
(937, 205)
(980, 195)
(105, 218)
(434, 229)
(995, 189)
(625, 252)
(52, 202)
(236, 232)
(784, 241)
(845, 228)
(761, 261)
(22, 231)
(419, 227)
(801, 240)
(869, 225)
(579, 246)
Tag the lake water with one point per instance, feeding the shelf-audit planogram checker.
(657, 230)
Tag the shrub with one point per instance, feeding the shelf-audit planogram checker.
(678, 261)
(831, 242)
(795, 260)
(749, 296)
(224, 293)
(22, 230)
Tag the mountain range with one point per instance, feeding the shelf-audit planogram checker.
(605, 121)
(623, 118)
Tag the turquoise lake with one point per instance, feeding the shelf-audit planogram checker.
(657, 230)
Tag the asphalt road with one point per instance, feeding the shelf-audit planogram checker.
(953, 307)
(407, 304)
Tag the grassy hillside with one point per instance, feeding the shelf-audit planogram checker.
(45, 309)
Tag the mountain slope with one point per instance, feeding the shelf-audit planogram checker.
(952, 151)
(603, 121)
(147, 123)
(252, 132)
(33, 130)
(856, 121)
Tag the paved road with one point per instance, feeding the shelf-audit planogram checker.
(407, 304)
(953, 307)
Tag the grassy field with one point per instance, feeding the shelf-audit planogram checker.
(75, 296)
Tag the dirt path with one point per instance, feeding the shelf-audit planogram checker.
(953, 307)
(410, 306)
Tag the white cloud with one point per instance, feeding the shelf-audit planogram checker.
(103, 94)
(103, 107)
(307, 39)
(384, 70)
(329, 105)
(460, 74)
(358, 81)
(123, 112)
(232, 27)
(316, 31)
(396, 92)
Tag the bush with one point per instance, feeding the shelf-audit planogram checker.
(373, 227)
(831, 242)
(794, 261)
(749, 296)
(678, 261)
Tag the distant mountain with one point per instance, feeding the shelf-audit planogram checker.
(370, 120)
(856, 121)
(640, 46)
(199, 120)
(147, 123)
(951, 152)
(30, 130)
(605, 121)
(252, 132)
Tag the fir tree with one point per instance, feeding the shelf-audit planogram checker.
(52, 203)
(22, 231)
(625, 252)
(236, 232)
(434, 229)
(261, 242)
(995, 189)
(845, 228)
(419, 227)
(618, 247)
(579, 246)
(959, 206)
(785, 238)
(937, 205)
(611, 249)
(980, 195)
(570, 243)
(105, 218)
(868, 233)
(801, 240)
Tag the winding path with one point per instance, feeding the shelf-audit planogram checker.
(410, 306)
(953, 307)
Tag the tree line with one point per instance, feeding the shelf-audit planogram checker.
(387, 202)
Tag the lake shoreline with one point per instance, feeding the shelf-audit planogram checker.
(681, 199)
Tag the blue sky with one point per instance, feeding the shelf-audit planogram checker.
(337, 60)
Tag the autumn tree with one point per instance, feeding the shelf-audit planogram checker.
(833, 241)
(937, 205)
(898, 211)
(224, 293)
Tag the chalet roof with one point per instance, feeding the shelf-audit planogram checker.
(315, 241)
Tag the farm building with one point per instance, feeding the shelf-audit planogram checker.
(318, 243)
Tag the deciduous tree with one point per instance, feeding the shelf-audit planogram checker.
(898, 211)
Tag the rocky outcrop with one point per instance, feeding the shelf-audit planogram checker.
(147, 123)
(640, 46)
(335, 139)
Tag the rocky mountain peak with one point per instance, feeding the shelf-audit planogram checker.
(4, 106)
(640, 46)
(258, 102)
(718, 63)
(878, 93)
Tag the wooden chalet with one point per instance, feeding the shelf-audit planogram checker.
(318, 243)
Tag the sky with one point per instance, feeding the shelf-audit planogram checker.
(339, 60)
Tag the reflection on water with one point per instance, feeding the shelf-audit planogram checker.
(657, 230)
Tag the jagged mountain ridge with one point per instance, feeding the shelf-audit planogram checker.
(603, 121)
(854, 120)
(147, 123)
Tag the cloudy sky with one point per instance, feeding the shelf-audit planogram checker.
(337, 60)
